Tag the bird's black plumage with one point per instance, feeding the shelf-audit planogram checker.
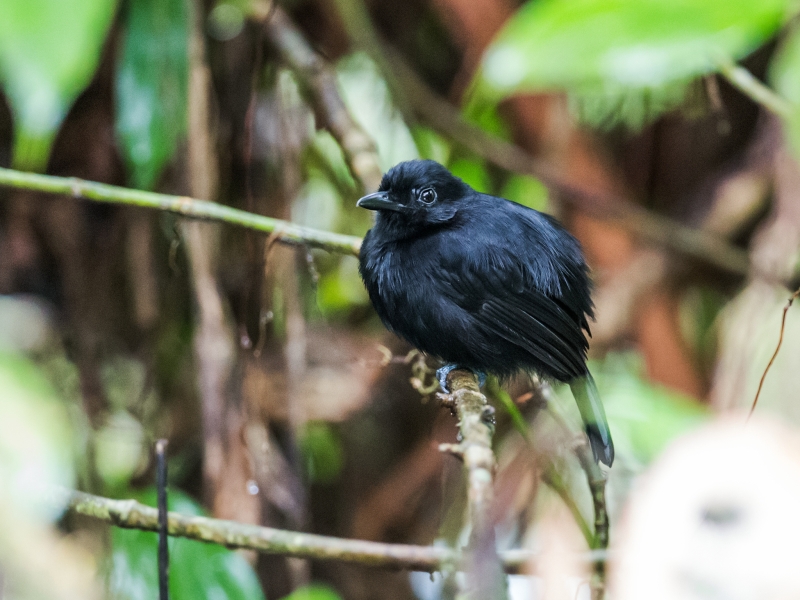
(481, 282)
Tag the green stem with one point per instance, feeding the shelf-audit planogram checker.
(744, 81)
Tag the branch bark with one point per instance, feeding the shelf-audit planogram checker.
(476, 425)
(284, 231)
(130, 514)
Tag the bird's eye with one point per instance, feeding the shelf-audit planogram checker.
(427, 196)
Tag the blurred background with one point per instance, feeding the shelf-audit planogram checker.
(284, 400)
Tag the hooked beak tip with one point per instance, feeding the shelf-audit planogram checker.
(379, 201)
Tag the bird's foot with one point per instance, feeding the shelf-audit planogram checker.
(444, 371)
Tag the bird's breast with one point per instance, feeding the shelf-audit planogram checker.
(400, 282)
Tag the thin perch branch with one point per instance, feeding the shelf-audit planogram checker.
(283, 231)
(476, 426)
(130, 514)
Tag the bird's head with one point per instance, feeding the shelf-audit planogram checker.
(416, 195)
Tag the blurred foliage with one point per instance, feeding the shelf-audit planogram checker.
(623, 56)
(618, 61)
(36, 439)
(340, 289)
(226, 20)
(152, 86)
(367, 96)
(473, 172)
(783, 74)
(198, 571)
(644, 416)
(699, 309)
(749, 330)
(630, 108)
(313, 592)
(49, 50)
(322, 452)
(525, 190)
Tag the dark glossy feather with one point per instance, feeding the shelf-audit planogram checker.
(481, 282)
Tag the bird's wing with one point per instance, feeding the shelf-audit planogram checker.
(503, 300)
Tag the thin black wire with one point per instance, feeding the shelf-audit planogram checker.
(163, 549)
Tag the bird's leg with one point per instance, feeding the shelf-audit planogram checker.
(441, 374)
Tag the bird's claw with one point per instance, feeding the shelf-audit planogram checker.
(444, 371)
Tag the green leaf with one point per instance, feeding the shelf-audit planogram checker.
(609, 46)
(784, 77)
(197, 571)
(152, 86)
(49, 50)
(633, 108)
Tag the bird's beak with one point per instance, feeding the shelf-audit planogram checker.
(379, 201)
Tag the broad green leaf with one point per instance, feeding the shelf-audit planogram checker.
(197, 571)
(610, 46)
(49, 50)
(633, 108)
(152, 86)
(784, 73)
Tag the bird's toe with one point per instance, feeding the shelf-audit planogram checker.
(443, 372)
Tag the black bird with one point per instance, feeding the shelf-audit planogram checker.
(482, 283)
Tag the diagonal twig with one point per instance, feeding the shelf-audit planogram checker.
(318, 81)
(744, 81)
(786, 308)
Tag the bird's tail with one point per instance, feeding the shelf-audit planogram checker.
(594, 418)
